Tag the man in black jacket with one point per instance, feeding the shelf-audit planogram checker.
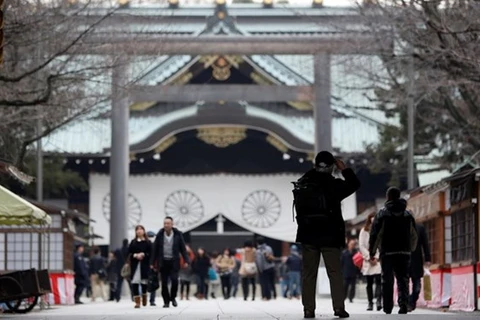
(81, 273)
(417, 264)
(325, 238)
(168, 246)
(121, 254)
(393, 231)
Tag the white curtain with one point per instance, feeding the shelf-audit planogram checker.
(259, 203)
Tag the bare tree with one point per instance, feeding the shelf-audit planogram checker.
(441, 39)
(44, 78)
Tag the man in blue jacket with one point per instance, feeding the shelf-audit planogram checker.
(294, 266)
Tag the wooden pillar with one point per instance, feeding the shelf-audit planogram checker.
(322, 113)
(119, 159)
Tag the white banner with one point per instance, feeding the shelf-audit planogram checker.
(259, 203)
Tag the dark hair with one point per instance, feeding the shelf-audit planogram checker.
(229, 251)
(368, 222)
(168, 218)
(125, 242)
(205, 254)
(260, 240)
(96, 250)
(248, 244)
(144, 232)
(393, 193)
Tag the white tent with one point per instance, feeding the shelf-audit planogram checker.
(15, 211)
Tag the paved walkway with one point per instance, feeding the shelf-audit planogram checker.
(281, 309)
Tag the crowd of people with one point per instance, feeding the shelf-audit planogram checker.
(211, 274)
(390, 245)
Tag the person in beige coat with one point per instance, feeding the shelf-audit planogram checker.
(248, 269)
(225, 264)
(371, 269)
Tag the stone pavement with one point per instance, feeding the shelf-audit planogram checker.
(281, 309)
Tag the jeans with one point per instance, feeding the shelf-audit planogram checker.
(234, 282)
(294, 287)
(267, 282)
(395, 265)
(202, 286)
(284, 286)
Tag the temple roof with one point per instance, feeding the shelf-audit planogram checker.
(356, 120)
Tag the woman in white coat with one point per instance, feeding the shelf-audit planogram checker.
(372, 270)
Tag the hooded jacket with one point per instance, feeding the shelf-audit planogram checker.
(393, 230)
(333, 233)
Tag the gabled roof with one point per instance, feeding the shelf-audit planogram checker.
(358, 126)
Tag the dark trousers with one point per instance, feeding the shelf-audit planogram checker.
(416, 288)
(226, 281)
(234, 282)
(377, 279)
(267, 282)
(185, 286)
(349, 286)
(245, 283)
(395, 266)
(79, 287)
(311, 261)
(202, 285)
(118, 292)
(113, 290)
(153, 295)
(168, 273)
(138, 289)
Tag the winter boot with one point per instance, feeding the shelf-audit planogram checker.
(137, 300)
(144, 300)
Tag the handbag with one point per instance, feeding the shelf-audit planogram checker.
(358, 260)
(427, 286)
(126, 269)
(250, 268)
(153, 282)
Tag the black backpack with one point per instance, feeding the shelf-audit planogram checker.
(311, 202)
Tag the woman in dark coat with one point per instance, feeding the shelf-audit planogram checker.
(139, 251)
(200, 267)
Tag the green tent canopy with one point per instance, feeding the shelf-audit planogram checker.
(15, 211)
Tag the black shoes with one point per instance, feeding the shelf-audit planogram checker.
(403, 310)
(174, 303)
(341, 313)
(166, 305)
(370, 306)
(379, 306)
(309, 314)
(152, 304)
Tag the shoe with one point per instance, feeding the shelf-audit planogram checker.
(152, 304)
(137, 300)
(403, 310)
(174, 303)
(166, 305)
(411, 308)
(144, 300)
(309, 314)
(78, 302)
(387, 311)
(370, 306)
(379, 306)
(341, 313)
